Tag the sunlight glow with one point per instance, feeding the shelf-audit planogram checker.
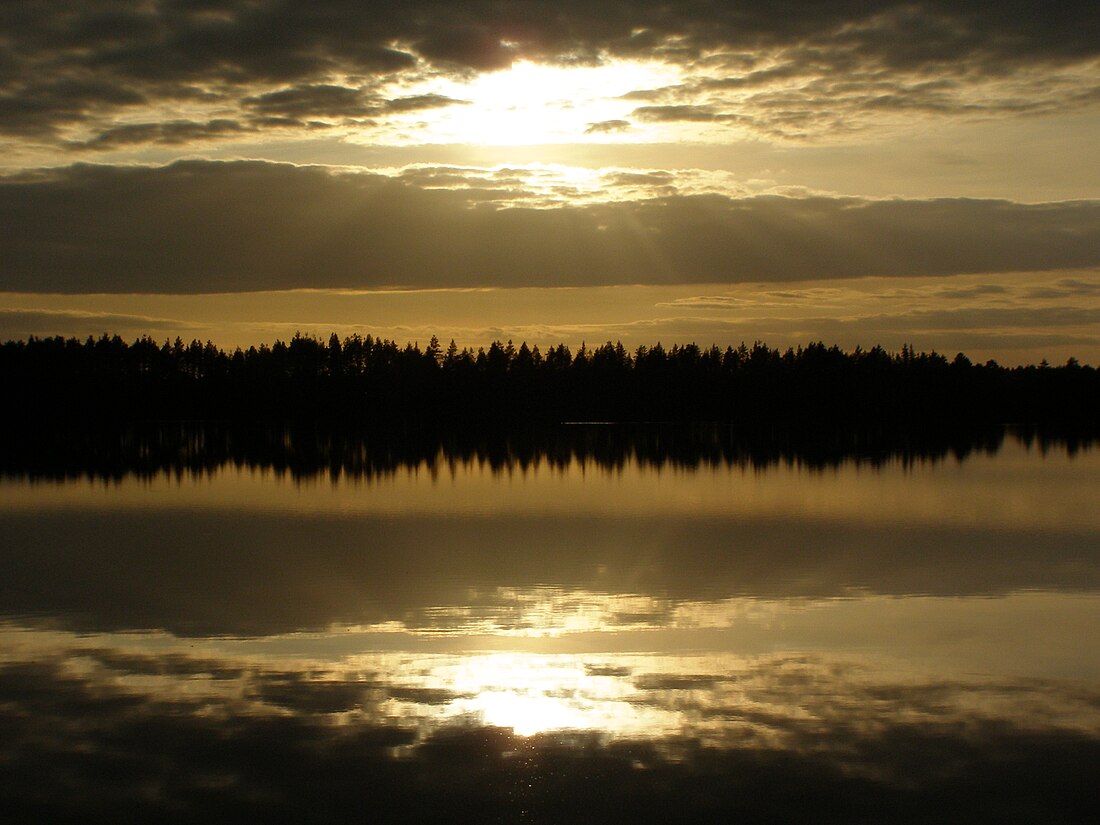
(528, 714)
(531, 103)
(532, 694)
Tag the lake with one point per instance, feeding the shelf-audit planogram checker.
(586, 628)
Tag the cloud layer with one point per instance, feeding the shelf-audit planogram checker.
(72, 73)
(203, 226)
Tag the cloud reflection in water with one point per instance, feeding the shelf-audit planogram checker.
(177, 727)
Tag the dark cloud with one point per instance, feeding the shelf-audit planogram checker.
(320, 100)
(652, 94)
(421, 695)
(1066, 288)
(168, 664)
(686, 113)
(467, 45)
(294, 692)
(37, 109)
(476, 185)
(36, 316)
(202, 226)
(825, 104)
(986, 318)
(975, 291)
(604, 127)
(710, 302)
(170, 133)
(63, 63)
(606, 670)
(417, 102)
(680, 681)
(21, 323)
(752, 79)
(641, 178)
(449, 176)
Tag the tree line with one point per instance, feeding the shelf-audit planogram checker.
(369, 381)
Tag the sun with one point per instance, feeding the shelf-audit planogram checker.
(533, 103)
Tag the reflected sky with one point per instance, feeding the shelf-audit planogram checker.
(888, 634)
(725, 698)
(167, 724)
(559, 549)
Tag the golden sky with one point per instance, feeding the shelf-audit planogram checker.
(862, 173)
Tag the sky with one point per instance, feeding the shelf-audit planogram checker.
(713, 171)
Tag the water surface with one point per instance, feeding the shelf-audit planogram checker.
(558, 638)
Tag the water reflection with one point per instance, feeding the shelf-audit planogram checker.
(344, 454)
(566, 640)
(143, 721)
(723, 699)
(204, 573)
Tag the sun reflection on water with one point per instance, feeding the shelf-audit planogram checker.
(534, 693)
(527, 714)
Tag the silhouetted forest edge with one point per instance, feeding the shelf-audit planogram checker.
(368, 382)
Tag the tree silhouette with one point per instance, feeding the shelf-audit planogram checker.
(370, 381)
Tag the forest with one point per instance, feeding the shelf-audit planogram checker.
(363, 381)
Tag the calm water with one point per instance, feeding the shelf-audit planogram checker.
(556, 640)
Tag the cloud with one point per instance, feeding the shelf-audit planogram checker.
(319, 100)
(604, 127)
(21, 323)
(466, 44)
(973, 291)
(650, 181)
(710, 302)
(988, 318)
(669, 682)
(417, 103)
(203, 226)
(302, 695)
(329, 101)
(169, 133)
(83, 62)
(165, 664)
(685, 113)
(1066, 288)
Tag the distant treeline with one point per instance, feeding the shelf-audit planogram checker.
(377, 382)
